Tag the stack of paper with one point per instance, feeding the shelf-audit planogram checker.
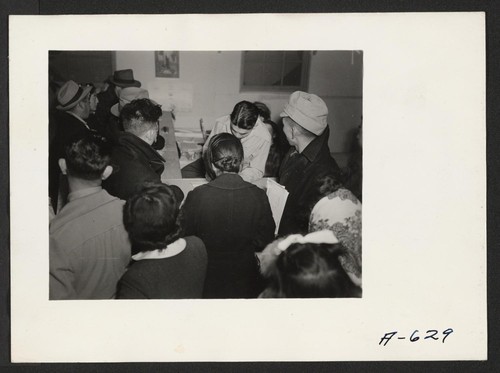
(277, 195)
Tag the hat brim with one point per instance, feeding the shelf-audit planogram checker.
(84, 94)
(114, 110)
(136, 83)
(303, 120)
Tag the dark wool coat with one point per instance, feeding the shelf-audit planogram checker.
(134, 162)
(234, 220)
(302, 175)
(177, 277)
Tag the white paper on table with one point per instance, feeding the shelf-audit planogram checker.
(277, 195)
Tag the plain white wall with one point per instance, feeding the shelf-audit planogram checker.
(209, 86)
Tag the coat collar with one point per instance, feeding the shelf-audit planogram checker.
(229, 181)
(131, 141)
(312, 150)
(172, 249)
(77, 117)
(83, 193)
(80, 205)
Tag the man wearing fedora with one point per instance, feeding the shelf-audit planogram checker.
(110, 96)
(72, 111)
(307, 162)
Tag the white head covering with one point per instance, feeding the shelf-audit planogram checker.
(340, 212)
(308, 110)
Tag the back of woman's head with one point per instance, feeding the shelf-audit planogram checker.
(244, 115)
(150, 218)
(225, 153)
(308, 270)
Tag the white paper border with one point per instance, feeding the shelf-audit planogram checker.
(424, 198)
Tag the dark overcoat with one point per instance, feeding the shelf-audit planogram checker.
(234, 220)
(302, 174)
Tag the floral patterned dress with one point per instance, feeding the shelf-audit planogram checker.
(340, 212)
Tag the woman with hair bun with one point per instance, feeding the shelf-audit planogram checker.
(164, 265)
(234, 220)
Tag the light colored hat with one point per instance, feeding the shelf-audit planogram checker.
(308, 110)
(126, 96)
(70, 94)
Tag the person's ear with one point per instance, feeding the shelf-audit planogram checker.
(81, 104)
(63, 166)
(151, 136)
(107, 171)
(212, 167)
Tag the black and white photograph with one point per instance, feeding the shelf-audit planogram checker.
(231, 196)
(268, 205)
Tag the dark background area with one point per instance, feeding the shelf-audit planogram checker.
(47, 7)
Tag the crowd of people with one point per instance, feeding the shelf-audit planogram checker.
(118, 231)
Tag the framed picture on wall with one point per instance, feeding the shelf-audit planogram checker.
(167, 64)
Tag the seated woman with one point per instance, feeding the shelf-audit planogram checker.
(306, 267)
(340, 212)
(244, 122)
(234, 220)
(164, 265)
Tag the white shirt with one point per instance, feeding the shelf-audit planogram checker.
(255, 147)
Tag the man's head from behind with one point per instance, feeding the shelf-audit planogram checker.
(140, 117)
(87, 159)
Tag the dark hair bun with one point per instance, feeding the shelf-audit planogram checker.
(228, 164)
(225, 153)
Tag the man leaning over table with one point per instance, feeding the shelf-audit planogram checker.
(245, 124)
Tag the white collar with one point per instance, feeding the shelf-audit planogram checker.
(173, 249)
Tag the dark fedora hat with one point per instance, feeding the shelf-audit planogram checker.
(70, 94)
(124, 78)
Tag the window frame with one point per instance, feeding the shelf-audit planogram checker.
(304, 77)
